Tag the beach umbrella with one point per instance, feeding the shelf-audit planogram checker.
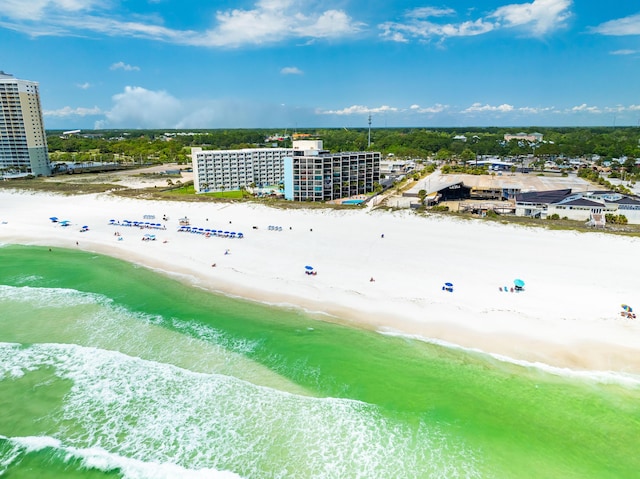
(519, 283)
(449, 285)
(627, 308)
(85, 227)
(54, 218)
(308, 268)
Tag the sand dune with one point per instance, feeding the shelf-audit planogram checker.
(567, 316)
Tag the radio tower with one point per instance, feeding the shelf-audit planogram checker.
(369, 143)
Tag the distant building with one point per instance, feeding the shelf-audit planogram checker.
(23, 141)
(530, 137)
(391, 166)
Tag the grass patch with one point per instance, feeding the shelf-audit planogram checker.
(63, 188)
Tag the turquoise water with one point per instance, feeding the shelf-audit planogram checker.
(111, 370)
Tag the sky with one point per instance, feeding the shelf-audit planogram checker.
(294, 64)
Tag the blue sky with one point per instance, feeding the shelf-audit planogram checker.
(297, 64)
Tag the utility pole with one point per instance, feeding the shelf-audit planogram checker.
(369, 143)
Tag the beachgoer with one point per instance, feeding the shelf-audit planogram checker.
(77, 243)
(372, 280)
(213, 265)
(382, 235)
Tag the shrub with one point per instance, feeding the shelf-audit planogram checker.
(440, 208)
(616, 219)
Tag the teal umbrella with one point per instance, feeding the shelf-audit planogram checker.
(519, 283)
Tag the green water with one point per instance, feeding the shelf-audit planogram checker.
(111, 370)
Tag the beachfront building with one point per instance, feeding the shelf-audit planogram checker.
(308, 172)
(23, 142)
(318, 175)
(225, 170)
(592, 206)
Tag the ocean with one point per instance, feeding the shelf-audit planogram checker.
(108, 369)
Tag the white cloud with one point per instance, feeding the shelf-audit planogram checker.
(125, 67)
(425, 30)
(585, 108)
(358, 110)
(275, 20)
(138, 107)
(84, 86)
(268, 21)
(426, 12)
(538, 17)
(39, 9)
(291, 71)
(623, 26)
(624, 52)
(67, 112)
(330, 24)
(479, 107)
(536, 110)
(437, 108)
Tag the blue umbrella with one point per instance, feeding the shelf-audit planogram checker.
(54, 218)
(308, 268)
(449, 285)
(519, 283)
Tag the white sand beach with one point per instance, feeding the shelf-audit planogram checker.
(568, 315)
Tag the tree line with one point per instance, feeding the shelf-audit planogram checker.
(421, 143)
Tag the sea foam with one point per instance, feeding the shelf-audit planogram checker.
(98, 458)
(149, 416)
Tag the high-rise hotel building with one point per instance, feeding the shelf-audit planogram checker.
(307, 171)
(23, 142)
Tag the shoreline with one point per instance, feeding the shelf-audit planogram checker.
(567, 317)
